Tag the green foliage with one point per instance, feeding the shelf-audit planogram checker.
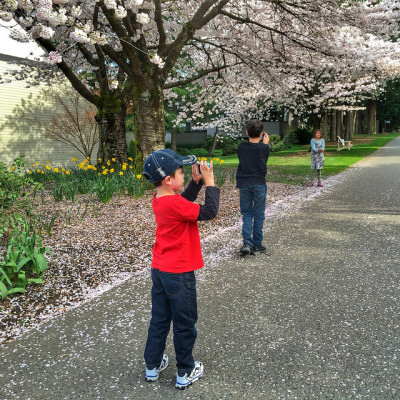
(227, 144)
(290, 138)
(217, 153)
(303, 135)
(16, 190)
(183, 151)
(132, 149)
(105, 189)
(24, 258)
(199, 152)
(14, 183)
(388, 106)
(278, 146)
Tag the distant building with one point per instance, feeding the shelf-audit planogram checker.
(18, 136)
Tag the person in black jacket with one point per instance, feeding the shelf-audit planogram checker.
(250, 179)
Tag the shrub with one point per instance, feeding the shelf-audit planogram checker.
(279, 146)
(199, 152)
(273, 139)
(290, 138)
(227, 144)
(183, 151)
(132, 149)
(23, 258)
(15, 191)
(303, 135)
(217, 153)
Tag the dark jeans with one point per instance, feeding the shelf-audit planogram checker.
(252, 208)
(174, 299)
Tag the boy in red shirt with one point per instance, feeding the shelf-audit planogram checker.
(176, 255)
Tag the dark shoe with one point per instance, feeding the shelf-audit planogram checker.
(320, 184)
(259, 249)
(246, 248)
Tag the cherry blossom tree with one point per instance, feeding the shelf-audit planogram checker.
(121, 53)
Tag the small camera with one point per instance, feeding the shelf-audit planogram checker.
(198, 166)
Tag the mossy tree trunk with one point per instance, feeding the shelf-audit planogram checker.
(112, 135)
(148, 108)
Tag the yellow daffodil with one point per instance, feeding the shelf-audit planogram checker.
(121, 173)
(112, 170)
(67, 172)
(12, 168)
(99, 174)
(74, 160)
(130, 158)
(38, 170)
(131, 166)
(138, 176)
(104, 172)
(56, 169)
(113, 159)
(42, 172)
(48, 167)
(29, 172)
(124, 167)
(99, 159)
(42, 164)
(108, 163)
(103, 167)
(221, 162)
(48, 162)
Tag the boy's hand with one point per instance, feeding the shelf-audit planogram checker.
(265, 138)
(195, 172)
(207, 173)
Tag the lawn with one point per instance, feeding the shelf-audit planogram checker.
(293, 166)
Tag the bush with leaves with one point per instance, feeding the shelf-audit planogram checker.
(227, 144)
(303, 135)
(24, 262)
(16, 190)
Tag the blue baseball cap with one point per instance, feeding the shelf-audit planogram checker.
(162, 163)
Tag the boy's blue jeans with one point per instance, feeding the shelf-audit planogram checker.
(252, 208)
(174, 299)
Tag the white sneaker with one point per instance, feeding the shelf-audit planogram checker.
(153, 374)
(182, 382)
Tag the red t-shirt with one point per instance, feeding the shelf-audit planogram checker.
(177, 247)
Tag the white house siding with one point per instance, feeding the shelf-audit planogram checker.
(17, 136)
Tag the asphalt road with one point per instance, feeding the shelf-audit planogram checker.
(316, 319)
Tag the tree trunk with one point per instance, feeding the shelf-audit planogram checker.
(349, 126)
(316, 122)
(112, 135)
(149, 114)
(294, 122)
(333, 126)
(339, 124)
(324, 125)
(210, 153)
(371, 115)
(174, 130)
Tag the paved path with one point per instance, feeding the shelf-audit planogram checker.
(317, 319)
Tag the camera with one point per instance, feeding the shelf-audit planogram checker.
(198, 166)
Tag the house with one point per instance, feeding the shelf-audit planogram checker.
(23, 108)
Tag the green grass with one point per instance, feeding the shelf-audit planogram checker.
(293, 166)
